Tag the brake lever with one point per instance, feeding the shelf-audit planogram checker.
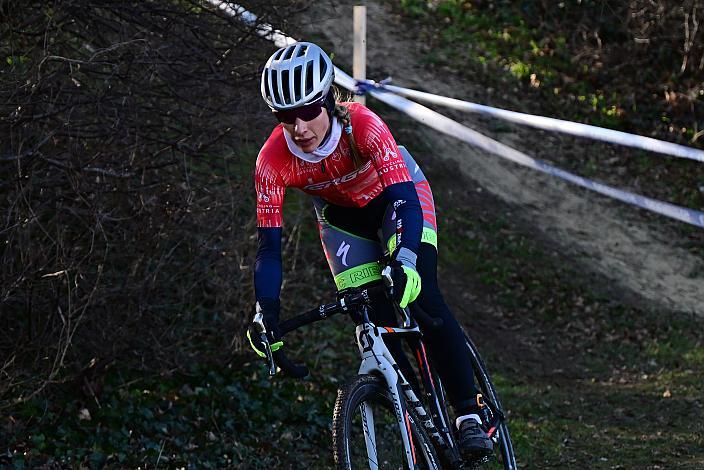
(388, 280)
(259, 322)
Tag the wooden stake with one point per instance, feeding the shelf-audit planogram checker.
(359, 61)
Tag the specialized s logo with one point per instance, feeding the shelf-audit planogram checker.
(341, 179)
(342, 252)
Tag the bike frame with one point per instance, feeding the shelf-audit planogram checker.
(377, 359)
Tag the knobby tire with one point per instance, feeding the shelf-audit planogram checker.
(373, 389)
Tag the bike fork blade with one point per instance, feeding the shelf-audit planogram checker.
(369, 435)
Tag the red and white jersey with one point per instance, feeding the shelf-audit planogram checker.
(335, 179)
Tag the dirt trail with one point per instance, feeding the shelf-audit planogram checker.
(643, 258)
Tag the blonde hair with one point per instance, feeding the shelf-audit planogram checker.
(343, 114)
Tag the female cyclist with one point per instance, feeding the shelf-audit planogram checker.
(370, 196)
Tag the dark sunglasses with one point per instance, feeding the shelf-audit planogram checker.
(304, 113)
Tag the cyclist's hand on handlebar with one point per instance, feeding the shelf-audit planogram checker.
(405, 279)
(266, 320)
(265, 338)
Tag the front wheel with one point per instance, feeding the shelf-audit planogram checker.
(366, 432)
(501, 436)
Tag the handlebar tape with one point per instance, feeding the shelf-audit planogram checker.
(292, 370)
(296, 322)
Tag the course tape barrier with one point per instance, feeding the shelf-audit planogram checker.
(262, 29)
(550, 124)
(453, 128)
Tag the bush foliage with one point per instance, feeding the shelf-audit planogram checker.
(125, 180)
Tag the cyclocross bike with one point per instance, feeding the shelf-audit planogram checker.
(379, 420)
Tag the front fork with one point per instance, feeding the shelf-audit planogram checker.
(376, 359)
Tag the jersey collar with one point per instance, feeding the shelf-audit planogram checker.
(321, 152)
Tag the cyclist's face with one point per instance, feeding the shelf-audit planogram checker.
(309, 134)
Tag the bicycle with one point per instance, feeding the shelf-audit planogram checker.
(380, 402)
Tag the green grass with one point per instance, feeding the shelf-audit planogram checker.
(471, 38)
(601, 424)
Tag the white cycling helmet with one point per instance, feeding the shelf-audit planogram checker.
(296, 75)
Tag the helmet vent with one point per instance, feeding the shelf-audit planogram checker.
(288, 53)
(275, 87)
(302, 51)
(265, 84)
(297, 93)
(309, 77)
(285, 87)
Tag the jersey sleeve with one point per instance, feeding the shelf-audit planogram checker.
(270, 189)
(374, 139)
(409, 216)
(267, 267)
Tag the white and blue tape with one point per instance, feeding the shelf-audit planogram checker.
(263, 29)
(557, 125)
